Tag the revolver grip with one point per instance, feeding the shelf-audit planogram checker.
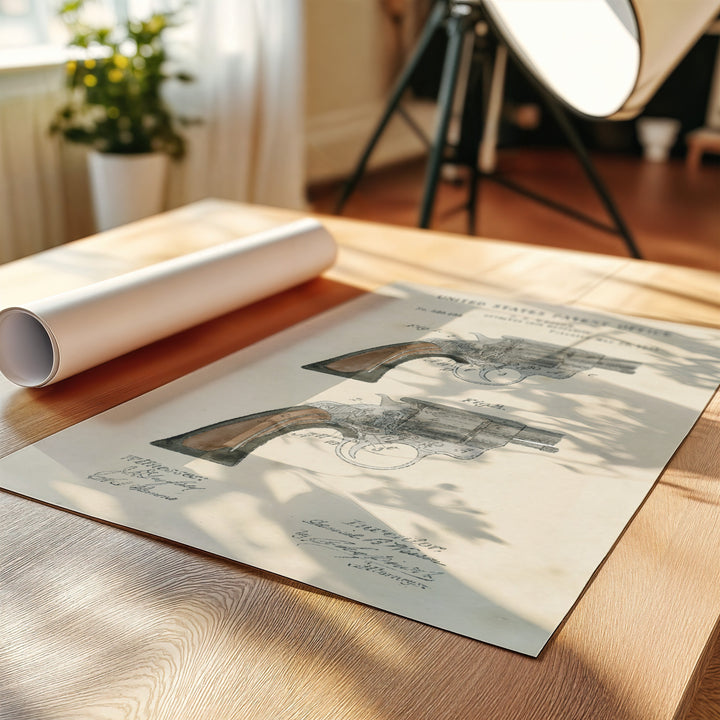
(231, 441)
(371, 364)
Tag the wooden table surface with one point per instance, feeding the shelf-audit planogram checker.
(98, 622)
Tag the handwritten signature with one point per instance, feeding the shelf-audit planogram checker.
(150, 477)
(376, 550)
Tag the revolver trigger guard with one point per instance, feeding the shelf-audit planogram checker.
(494, 375)
(348, 451)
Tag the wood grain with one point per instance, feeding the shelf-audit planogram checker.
(98, 622)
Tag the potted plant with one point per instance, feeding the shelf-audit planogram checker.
(115, 106)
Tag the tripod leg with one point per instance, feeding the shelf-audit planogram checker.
(473, 192)
(456, 27)
(482, 129)
(493, 110)
(463, 86)
(577, 145)
(434, 21)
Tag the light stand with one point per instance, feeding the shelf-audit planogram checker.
(460, 18)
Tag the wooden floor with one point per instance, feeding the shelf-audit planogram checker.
(673, 213)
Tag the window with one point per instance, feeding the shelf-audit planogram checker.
(23, 23)
(32, 34)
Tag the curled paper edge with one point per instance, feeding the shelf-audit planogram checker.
(50, 339)
(29, 353)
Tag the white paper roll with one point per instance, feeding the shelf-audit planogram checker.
(50, 339)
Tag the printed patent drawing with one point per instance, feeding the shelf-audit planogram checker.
(368, 431)
(491, 362)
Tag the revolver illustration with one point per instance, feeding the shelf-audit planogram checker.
(483, 360)
(390, 435)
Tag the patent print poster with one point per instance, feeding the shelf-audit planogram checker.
(465, 462)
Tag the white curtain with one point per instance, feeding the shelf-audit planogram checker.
(248, 60)
(32, 206)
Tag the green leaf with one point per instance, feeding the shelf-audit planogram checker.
(117, 105)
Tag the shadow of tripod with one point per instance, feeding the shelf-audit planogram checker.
(460, 18)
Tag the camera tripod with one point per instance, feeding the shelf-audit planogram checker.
(460, 18)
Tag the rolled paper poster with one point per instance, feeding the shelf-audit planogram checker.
(53, 338)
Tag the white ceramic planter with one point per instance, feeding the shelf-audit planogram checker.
(126, 187)
(657, 135)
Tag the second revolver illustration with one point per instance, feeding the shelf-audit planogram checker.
(485, 361)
